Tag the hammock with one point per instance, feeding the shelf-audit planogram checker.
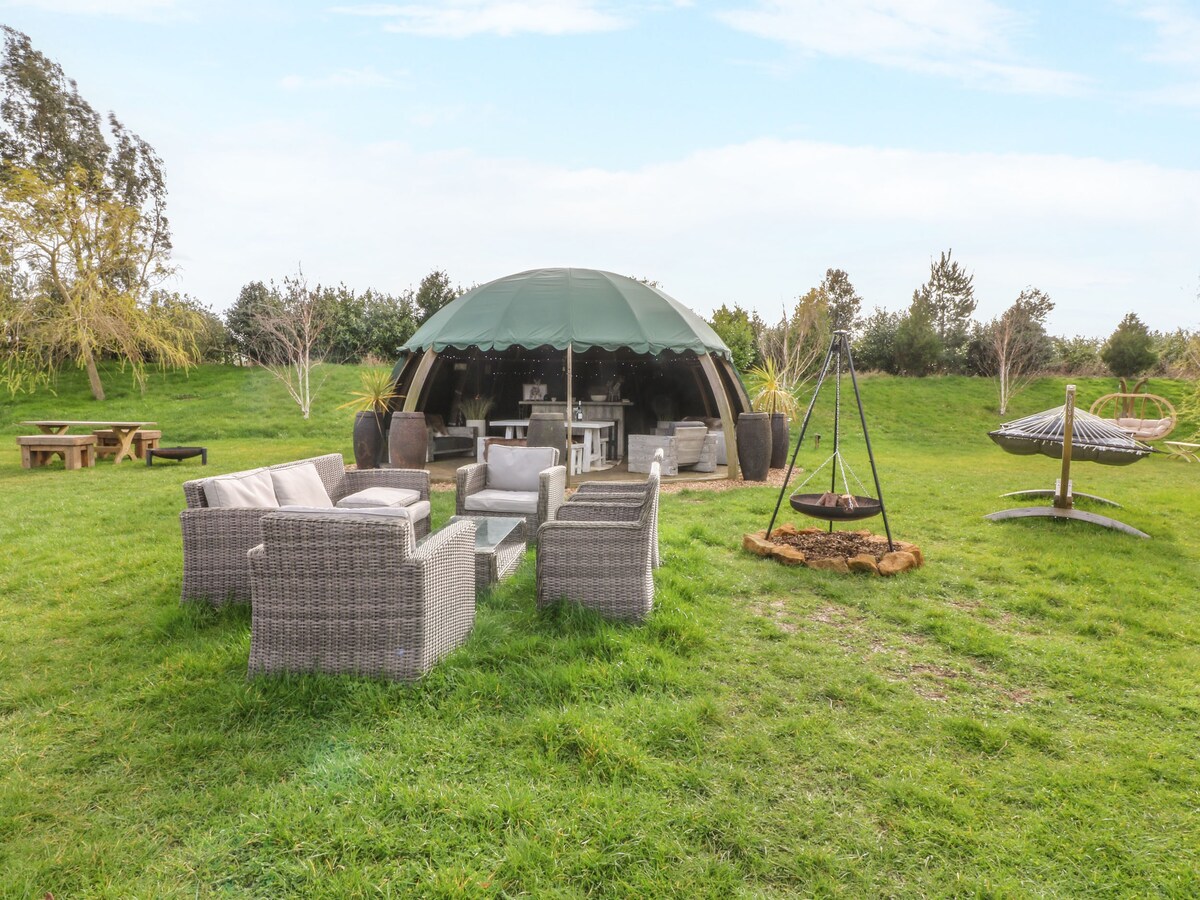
(1093, 439)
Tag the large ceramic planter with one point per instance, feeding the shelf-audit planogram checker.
(754, 445)
(408, 441)
(370, 438)
(779, 440)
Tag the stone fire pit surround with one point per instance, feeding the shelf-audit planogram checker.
(874, 558)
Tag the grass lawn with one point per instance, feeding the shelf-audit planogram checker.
(1019, 717)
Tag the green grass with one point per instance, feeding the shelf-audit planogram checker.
(1019, 717)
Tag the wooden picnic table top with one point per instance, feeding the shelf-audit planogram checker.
(62, 423)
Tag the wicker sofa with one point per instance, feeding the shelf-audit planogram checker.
(601, 554)
(216, 538)
(355, 594)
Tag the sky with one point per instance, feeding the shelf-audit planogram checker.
(732, 151)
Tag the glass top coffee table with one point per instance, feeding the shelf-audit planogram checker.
(499, 547)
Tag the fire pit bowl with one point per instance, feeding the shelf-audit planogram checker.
(810, 505)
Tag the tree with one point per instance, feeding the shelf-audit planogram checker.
(294, 330)
(87, 242)
(254, 301)
(949, 298)
(77, 285)
(875, 347)
(1079, 355)
(736, 329)
(796, 343)
(917, 347)
(433, 293)
(1129, 351)
(1016, 344)
(844, 302)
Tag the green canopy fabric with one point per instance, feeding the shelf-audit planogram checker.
(582, 307)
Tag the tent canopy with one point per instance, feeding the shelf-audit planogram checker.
(580, 308)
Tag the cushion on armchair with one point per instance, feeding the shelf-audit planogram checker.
(253, 489)
(413, 514)
(375, 497)
(299, 486)
(496, 501)
(517, 468)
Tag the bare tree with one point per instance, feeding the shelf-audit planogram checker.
(1016, 344)
(293, 342)
(796, 343)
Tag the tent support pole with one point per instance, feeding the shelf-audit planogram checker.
(718, 389)
(567, 448)
(418, 382)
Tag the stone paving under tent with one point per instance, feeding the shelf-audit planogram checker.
(575, 334)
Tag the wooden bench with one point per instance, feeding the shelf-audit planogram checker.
(107, 443)
(78, 451)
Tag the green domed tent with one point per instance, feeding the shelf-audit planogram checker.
(574, 334)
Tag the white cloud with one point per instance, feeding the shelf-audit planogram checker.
(965, 39)
(342, 78)
(756, 223)
(1177, 33)
(463, 18)
(1176, 45)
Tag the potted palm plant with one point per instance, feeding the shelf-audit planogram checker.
(371, 403)
(771, 392)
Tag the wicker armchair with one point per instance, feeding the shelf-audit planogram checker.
(624, 492)
(215, 540)
(601, 555)
(355, 594)
(551, 490)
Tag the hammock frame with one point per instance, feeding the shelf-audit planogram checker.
(1063, 498)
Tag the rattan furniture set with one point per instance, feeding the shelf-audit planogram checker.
(370, 591)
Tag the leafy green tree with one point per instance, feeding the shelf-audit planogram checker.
(917, 347)
(434, 292)
(875, 346)
(243, 319)
(1129, 351)
(736, 329)
(949, 299)
(1178, 353)
(390, 321)
(87, 241)
(844, 302)
(1079, 355)
(77, 285)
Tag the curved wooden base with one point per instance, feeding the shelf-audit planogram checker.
(1045, 492)
(1052, 512)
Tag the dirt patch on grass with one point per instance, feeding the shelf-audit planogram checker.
(776, 612)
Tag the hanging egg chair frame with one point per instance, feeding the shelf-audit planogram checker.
(859, 507)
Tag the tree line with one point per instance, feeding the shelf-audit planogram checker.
(938, 334)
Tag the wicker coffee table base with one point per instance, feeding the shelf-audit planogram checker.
(494, 562)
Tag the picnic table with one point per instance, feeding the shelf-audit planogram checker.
(124, 431)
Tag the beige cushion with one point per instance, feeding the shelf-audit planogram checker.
(517, 468)
(300, 486)
(253, 489)
(414, 513)
(408, 514)
(374, 497)
(524, 502)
